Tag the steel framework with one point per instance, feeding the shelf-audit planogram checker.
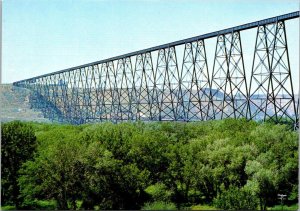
(155, 85)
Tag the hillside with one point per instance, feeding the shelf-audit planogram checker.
(14, 105)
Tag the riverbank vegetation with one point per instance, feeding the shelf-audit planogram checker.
(225, 164)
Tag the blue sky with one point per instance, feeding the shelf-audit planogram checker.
(42, 36)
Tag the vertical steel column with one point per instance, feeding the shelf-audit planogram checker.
(237, 77)
(67, 98)
(139, 86)
(64, 96)
(157, 86)
(119, 100)
(187, 85)
(107, 93)
(274, 79)
(260, 76)
(282, 86)
(52, 98)
(96, 95)
(133, 92)
(75, 109)
(202, 80)
(128, 76)
(114, 92)
(220, 98)
(124, 94)
(195, 88)
(150, 83)
(161, 68)
(80, 97)
(170, 93)
(147, 81)
(100, 92)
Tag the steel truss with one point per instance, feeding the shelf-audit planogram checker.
(159, 83)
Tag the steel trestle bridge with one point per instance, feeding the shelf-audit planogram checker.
(160, 84)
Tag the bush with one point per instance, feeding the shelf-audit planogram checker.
(236, 199)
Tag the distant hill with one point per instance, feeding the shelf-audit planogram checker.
(14, 105)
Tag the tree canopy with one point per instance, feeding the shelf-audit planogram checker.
(228, 164)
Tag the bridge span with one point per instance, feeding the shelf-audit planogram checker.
(172, 82)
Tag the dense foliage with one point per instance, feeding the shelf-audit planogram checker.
(18, 143)
(228, 164)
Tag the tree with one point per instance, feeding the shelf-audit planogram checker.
(275, 169)
(125, 166)
(262, 183)
(110, 183)
(18, 143)
(56, 171)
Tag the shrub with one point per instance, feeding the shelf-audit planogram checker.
(236, 199)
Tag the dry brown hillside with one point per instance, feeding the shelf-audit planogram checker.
(14, 105)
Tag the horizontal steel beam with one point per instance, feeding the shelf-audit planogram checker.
(180, 42)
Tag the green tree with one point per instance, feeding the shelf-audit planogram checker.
(110, 183)
(275, 169)
(56, 171)
(18, 143)
(148, 151)
(131, 165)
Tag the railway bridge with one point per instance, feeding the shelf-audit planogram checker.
(173, 82)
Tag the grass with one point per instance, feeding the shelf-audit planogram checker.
(8, 207)
(203, 207)
(277, 207)
(51, 204)
(285, 207)
(46, 204)
(159, 205)
(37, 204)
